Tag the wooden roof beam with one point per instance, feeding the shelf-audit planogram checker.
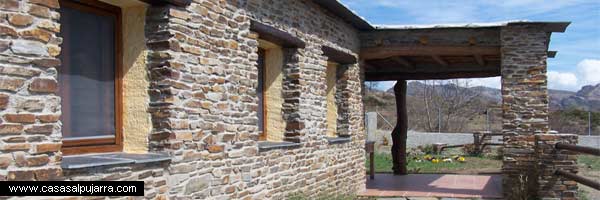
(479, 59)
(432, 68)
(440, 60)
(382, 52)
(403, 62)
(385, 76)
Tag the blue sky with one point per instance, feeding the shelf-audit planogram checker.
(577, 62)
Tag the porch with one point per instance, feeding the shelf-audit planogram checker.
(435, 185)
(514, 51)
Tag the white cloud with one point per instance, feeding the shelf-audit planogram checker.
(385, 85)
(562, 80)
(586, 73)
(589, 71)
(492, 82)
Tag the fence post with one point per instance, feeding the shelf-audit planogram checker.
(371, 118)
(550, 159)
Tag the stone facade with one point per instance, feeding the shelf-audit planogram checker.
(30, 136)
(550, 159)
(524, 104)
(201, 65)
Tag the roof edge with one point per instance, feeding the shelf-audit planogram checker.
(340, 10)
(351, 17)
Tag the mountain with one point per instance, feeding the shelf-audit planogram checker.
(587, 98)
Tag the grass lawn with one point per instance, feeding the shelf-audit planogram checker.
(472, 164)
(589, 167)
(589, 161)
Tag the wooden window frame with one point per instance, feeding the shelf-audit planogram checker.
(115, 144)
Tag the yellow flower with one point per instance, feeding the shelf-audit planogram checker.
(435, 160)
(461, 159)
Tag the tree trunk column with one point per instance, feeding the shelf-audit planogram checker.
(400, 132)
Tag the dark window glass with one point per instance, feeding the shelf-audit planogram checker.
(260, 92)
(87, 75)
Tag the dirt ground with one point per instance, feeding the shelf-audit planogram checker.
(590, 193)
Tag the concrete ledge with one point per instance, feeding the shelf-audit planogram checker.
(110, 159)
(266, 145)
(338, 140)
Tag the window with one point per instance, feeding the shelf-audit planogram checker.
(261, 94)
(332, 108)
(270, 92)
(89, 78)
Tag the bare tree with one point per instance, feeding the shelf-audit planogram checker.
(371, 85)
(447, 105)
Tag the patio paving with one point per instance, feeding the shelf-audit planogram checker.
(435, 185)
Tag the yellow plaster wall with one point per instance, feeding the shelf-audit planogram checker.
(136, 119)
(332, 112)
(275, 124)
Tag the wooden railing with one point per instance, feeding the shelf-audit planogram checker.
(579, 149)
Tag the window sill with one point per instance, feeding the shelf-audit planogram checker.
(338, 140)
(266, 145)
(110, 159)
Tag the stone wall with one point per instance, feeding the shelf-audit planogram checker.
(550, 159)
(154, 176)
(524, 104)
(30, 137)
(204, 102)
(201, 61)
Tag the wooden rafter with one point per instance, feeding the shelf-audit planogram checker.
(440, 60)
(403, 62)
(479, 59)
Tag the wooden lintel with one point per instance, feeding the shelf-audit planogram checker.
(387, 76)
(276, 36)
(182, 3)
(440, 60)
(403, 62)
(420, 50)
(338, 56)
(479, 59)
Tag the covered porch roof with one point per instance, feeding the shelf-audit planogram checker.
(438, 51)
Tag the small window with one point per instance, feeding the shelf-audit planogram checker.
(89, 78)
(261, 94)
(271, 124)
(332, 108)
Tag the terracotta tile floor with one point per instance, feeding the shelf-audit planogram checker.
(435, 185)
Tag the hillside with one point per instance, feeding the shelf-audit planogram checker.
(587, 98)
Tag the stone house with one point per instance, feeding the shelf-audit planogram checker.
(238, 99)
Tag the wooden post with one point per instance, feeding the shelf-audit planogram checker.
(400, 132)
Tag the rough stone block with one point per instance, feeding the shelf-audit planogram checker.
(43, 85)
